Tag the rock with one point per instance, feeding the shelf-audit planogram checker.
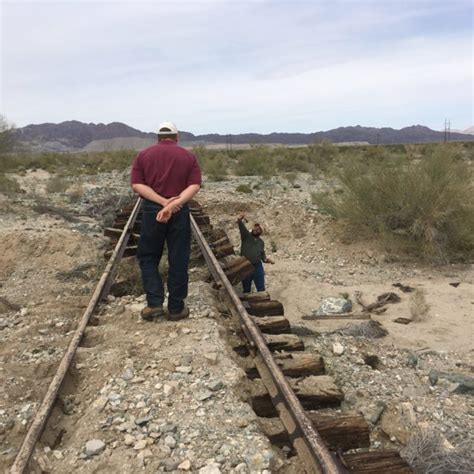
(210, 469)
(170, 441)
(143, 420)
(129, 440)
(215, 385)
(372, 413)
(412, 360)
(334, 306)
(398, 422)
(127, 374)
(463, 383)
(338, 348)
(185, 369)
(137, 307)
(100, 403)
(185, 465)
(94, 446)
(170, 465)
(168, 389)
(257, 462)
(139, 445)
(211, 357)
(203, 395)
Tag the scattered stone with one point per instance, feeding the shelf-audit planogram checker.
(127, 374)
(170, 465)
(94, 446)
(211, 357)
(185, 465)
(170, 441)
(338, 348)
(100, 403)
(203, 395)
(143, 420)
(139, 445)
(185, 369)
(215, 385)
(129, 440)
(210, 469)
(333, 306)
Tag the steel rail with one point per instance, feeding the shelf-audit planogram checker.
(35, 430)
(307, 441)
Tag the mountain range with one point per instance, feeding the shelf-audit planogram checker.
(78, 136)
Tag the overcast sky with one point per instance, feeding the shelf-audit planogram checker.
(238, 66)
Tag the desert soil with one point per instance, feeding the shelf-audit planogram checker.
(167, 396)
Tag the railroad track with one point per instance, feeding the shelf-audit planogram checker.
(288, 387)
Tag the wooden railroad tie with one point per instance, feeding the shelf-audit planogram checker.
(313, 392)
(295, 364)
(340, 431)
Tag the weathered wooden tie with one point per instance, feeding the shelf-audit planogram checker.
(314, 392)
(294, 364)
(377, 462)
(275, 342)
(238, 269)
(264, 308)
(340, 431)
(273, 324)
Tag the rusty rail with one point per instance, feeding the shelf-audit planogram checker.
(27, 448)
(306, 440)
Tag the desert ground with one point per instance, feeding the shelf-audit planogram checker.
(169, 397)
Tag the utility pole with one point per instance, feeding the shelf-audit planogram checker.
(445, 130)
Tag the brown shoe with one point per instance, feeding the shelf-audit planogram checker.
(151, 313)
(183, 314)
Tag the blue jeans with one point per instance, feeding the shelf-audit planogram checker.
(258, 277)
(177, 235)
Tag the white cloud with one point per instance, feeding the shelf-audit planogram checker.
(233, 67)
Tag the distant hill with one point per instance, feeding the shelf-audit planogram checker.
(468, 131)
(77, 136)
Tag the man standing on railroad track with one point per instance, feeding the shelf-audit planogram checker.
(166, 176)
(253, 248)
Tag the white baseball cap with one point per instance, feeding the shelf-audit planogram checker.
(170, 126)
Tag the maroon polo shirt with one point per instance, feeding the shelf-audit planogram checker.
(167, 168)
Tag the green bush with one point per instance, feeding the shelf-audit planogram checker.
(258, 161)
(243, 188)
(57, 184)
(216, 167)
(69, 164)
(427, 204)
(8, 185)
(321, 156)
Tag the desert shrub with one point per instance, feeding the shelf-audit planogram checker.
(8, 185)
(290, 160)
(321, 156)
(258, 161)
(325, 202)
(216, 167)
(69, 164)
(75, 193)
(428, 452)
(244, 188)
(427, 204)
(57, 184)
(203, 155)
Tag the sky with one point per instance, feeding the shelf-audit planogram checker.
(238, 66)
